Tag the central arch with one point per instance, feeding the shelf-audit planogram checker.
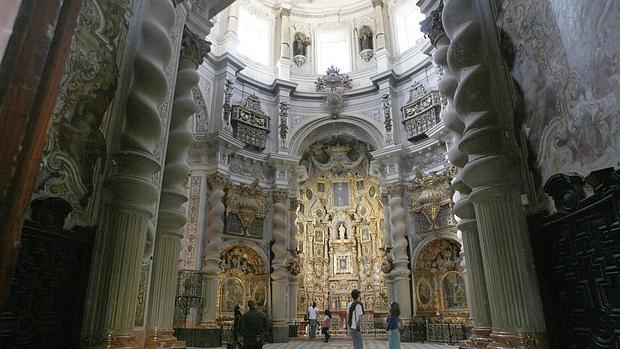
(324, 127)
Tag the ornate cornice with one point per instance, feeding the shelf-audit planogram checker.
(193, 47)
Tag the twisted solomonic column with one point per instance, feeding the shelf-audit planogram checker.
(113, 290)
(401, 273)
(172, 216)
(477, 298)
(214, 241)
(514, 297)
(294, 265)
(279, 276)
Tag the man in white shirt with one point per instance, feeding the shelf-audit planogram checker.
(313, 314)
(355, 310)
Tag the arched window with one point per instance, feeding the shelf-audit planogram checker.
(333, 49)
(408, 18)
(254, 37)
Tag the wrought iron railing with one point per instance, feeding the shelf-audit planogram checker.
(189, 291)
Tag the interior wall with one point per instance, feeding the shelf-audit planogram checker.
(563, 55)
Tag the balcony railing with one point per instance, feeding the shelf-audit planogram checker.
(421, 114)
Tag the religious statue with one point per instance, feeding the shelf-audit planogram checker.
(365, 38)
(300, 43)
(342, 231)
(365, 42)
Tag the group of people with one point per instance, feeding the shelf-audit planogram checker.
(355, 310)
(250, 329)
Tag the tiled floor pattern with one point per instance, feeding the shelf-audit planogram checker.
(346, 344)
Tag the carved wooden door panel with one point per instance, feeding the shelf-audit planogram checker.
(49, 286)
(578, 261)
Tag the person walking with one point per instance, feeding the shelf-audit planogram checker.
(254, 327)
(391, 326)
(313, 314)
(325, 326)
(355, 310)
(237, 339)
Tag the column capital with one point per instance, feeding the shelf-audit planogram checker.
(193, 47)
(396, 189)
(376, 3)
(285, 12)
(279, 195)
(217, 180)
(432, 26)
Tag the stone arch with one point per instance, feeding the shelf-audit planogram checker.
(316, 129)
(227, 245)
(449, 235)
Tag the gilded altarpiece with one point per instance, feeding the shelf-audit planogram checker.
(340, 218)
(439, 282)
(243, 276)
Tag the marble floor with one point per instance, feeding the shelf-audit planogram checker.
(346, 344)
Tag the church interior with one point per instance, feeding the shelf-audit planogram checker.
(163, 161)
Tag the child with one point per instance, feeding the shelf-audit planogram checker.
(392, 326)
(325, 326)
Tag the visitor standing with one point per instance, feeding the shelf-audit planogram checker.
(355, 310)
(254, 327)
(313, 314)
(237, 342)
(391, 326)
(326, 323)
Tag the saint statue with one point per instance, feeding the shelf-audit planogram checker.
(342, 231)
(300, 43)
(365, 38)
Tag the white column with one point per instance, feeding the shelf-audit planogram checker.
(171, 218)
(284, 63)
(279, 276)
(381, 53)
(477, 297)
(215, 229)
(514, 297)
(113, 290)
(293, 282)
(231, 38)
(401, 273)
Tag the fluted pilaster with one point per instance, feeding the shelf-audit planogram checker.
(285, 43)
(379, 27)
(114, 291)
(215, 230)
(401, 273)
(477, 296)
(171, 217)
